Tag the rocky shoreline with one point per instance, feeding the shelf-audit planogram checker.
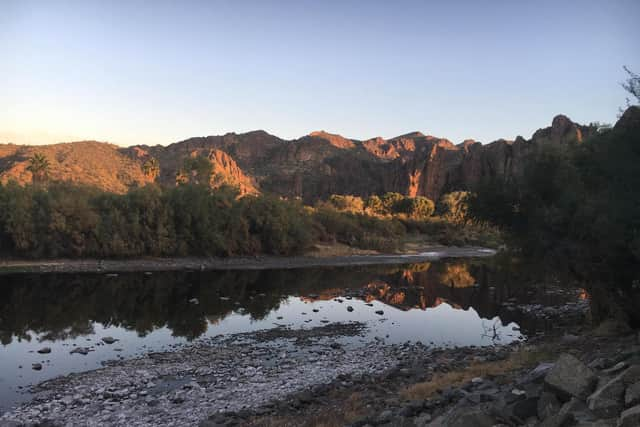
(429, 253)
(325, 376)
(286, 377)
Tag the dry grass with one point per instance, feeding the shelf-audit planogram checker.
(323, 250)
(502, 369)
(349, 410)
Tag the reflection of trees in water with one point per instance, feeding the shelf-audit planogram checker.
(60, 306)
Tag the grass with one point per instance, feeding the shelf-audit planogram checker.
(498, 370)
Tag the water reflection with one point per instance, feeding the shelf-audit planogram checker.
(152, 312)
(63, 306)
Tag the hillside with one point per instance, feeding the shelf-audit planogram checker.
(311, 167)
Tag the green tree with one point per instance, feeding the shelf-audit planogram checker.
(415, 207)
(151, 168)
(374, 205)
(39, 167)
(347, 203)
(390, 202)
(454, 207)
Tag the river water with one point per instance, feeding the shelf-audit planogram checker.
(461, 302)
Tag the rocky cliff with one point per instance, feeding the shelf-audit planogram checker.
(310, 168)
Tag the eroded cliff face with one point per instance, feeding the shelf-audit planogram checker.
(311, 168)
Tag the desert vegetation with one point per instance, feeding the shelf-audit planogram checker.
(54, 219)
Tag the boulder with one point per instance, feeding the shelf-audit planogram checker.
(630, 417)
(609, 399)
(570, 377)
(606, 401)
(548, 405)
(632, 395)
(612, 328)
(470, 417)
(525, 408)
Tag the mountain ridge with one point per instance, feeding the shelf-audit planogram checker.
(310, 167)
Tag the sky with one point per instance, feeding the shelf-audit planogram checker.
(157, 72)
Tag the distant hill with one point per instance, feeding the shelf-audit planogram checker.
(311, 167)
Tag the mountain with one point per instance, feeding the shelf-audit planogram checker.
(311, 167)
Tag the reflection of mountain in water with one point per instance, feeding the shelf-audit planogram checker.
(66, 305)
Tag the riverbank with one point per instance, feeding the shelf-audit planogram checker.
(286, 377)
(314, 259)
(320, 376)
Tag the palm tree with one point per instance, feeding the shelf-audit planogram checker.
(151, 168)
(39, 167)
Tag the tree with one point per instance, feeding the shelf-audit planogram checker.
(346, 203)
(415, 207)
(390, 201)
(39, 167)
(374, 206)
(151, 168)
(632, 86)
(195, 170)
(454, 206)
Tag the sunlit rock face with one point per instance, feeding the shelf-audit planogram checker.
(310, 168)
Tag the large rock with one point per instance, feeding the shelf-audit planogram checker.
(632, 395)
(570, 377)
(630, 417)
(548, 405)
(608, 400)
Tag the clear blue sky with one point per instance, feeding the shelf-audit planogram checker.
(156, 72)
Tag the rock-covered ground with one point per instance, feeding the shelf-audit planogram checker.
(583, 379)
(323, 377)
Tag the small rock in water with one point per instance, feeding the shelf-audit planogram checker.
(36, 366)
(194, 301)
(315, 310)
(80, 350)
(380, 312)
(44, 350)
(349, 308)
(109, 340)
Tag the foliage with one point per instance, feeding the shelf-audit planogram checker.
(39, 167)
(632, 86)
(151, 168)
(195, 170)
(576, 208)
(415, 207)
(454, 207)
(346, 203)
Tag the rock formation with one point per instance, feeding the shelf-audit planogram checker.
(311, 168)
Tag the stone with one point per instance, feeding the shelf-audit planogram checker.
(539, 372)
(109, 340)
(385, 416)
(630, 417)
(194, 301)
(36, 366)
(349, 308)
(632, 395)
(615, 368)
(548, 405)
(80, 350)
(612, 328)
(525, 408)
(609, 399)
(379, 312)
(470, 417)
(570, 377)
(422, 420)
(44, 350)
